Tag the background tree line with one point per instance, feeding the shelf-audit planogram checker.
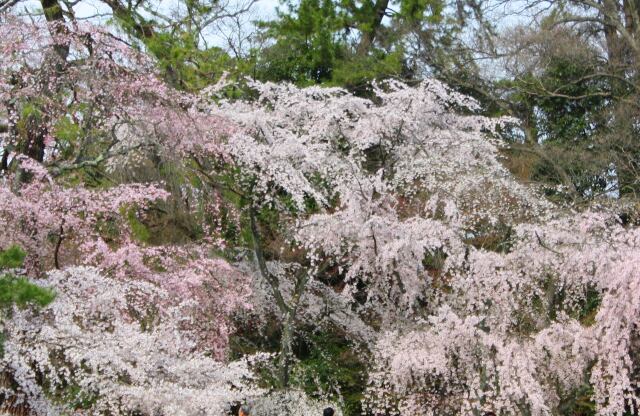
(566, 69)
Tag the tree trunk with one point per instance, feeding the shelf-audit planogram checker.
(54, 16)
(369, 33)
(615, 45)
(620, 30)
(286, 348)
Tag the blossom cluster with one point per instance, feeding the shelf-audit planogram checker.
(392, 216)
(486, 297)
(105, 346)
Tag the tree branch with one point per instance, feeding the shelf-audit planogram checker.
(262, 265)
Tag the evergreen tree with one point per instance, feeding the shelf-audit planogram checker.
(342, 42)
(308, 42)
(18, 290)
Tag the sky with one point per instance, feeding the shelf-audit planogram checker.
(97, 11)
(515, 12)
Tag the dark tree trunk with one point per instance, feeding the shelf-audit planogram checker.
(370, 33)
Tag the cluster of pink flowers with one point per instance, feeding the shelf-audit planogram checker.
(135, 327)
(486, 297)
(472, 292)
(122, 353)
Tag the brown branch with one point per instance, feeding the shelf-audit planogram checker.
(273, 281)
(564, 176)
(56, 252)
(543, 245)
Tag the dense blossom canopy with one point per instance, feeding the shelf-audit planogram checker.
(120, 357)
(494, 299)
(471, 292)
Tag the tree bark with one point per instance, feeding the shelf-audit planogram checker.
(288, 310)
(369, 33)
(55, 17)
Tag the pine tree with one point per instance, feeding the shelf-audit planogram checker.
(18, 290)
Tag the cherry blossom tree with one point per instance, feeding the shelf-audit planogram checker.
(391, 216)
(485, 296)
(362, 187)
(520, 331)
(141, 363)
(73, 125)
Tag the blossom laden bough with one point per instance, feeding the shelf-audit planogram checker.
(143, 362)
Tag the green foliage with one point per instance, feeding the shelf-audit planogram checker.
(313, 44)
(330, 366)
(493, 237)
(19, 291)
(578, 402)
(357, 73)
(67, 134)
(434, 260)
(553, 300)
(418, 10)
(31, 110)
(68, 393)
(307, 44)
(78, 397)
(184, 63)
(560, 117)
(563, 104)
(327, 366)
(588, 307)
(66, 130)
(138, 229)
(28, 124)
(12, 258)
